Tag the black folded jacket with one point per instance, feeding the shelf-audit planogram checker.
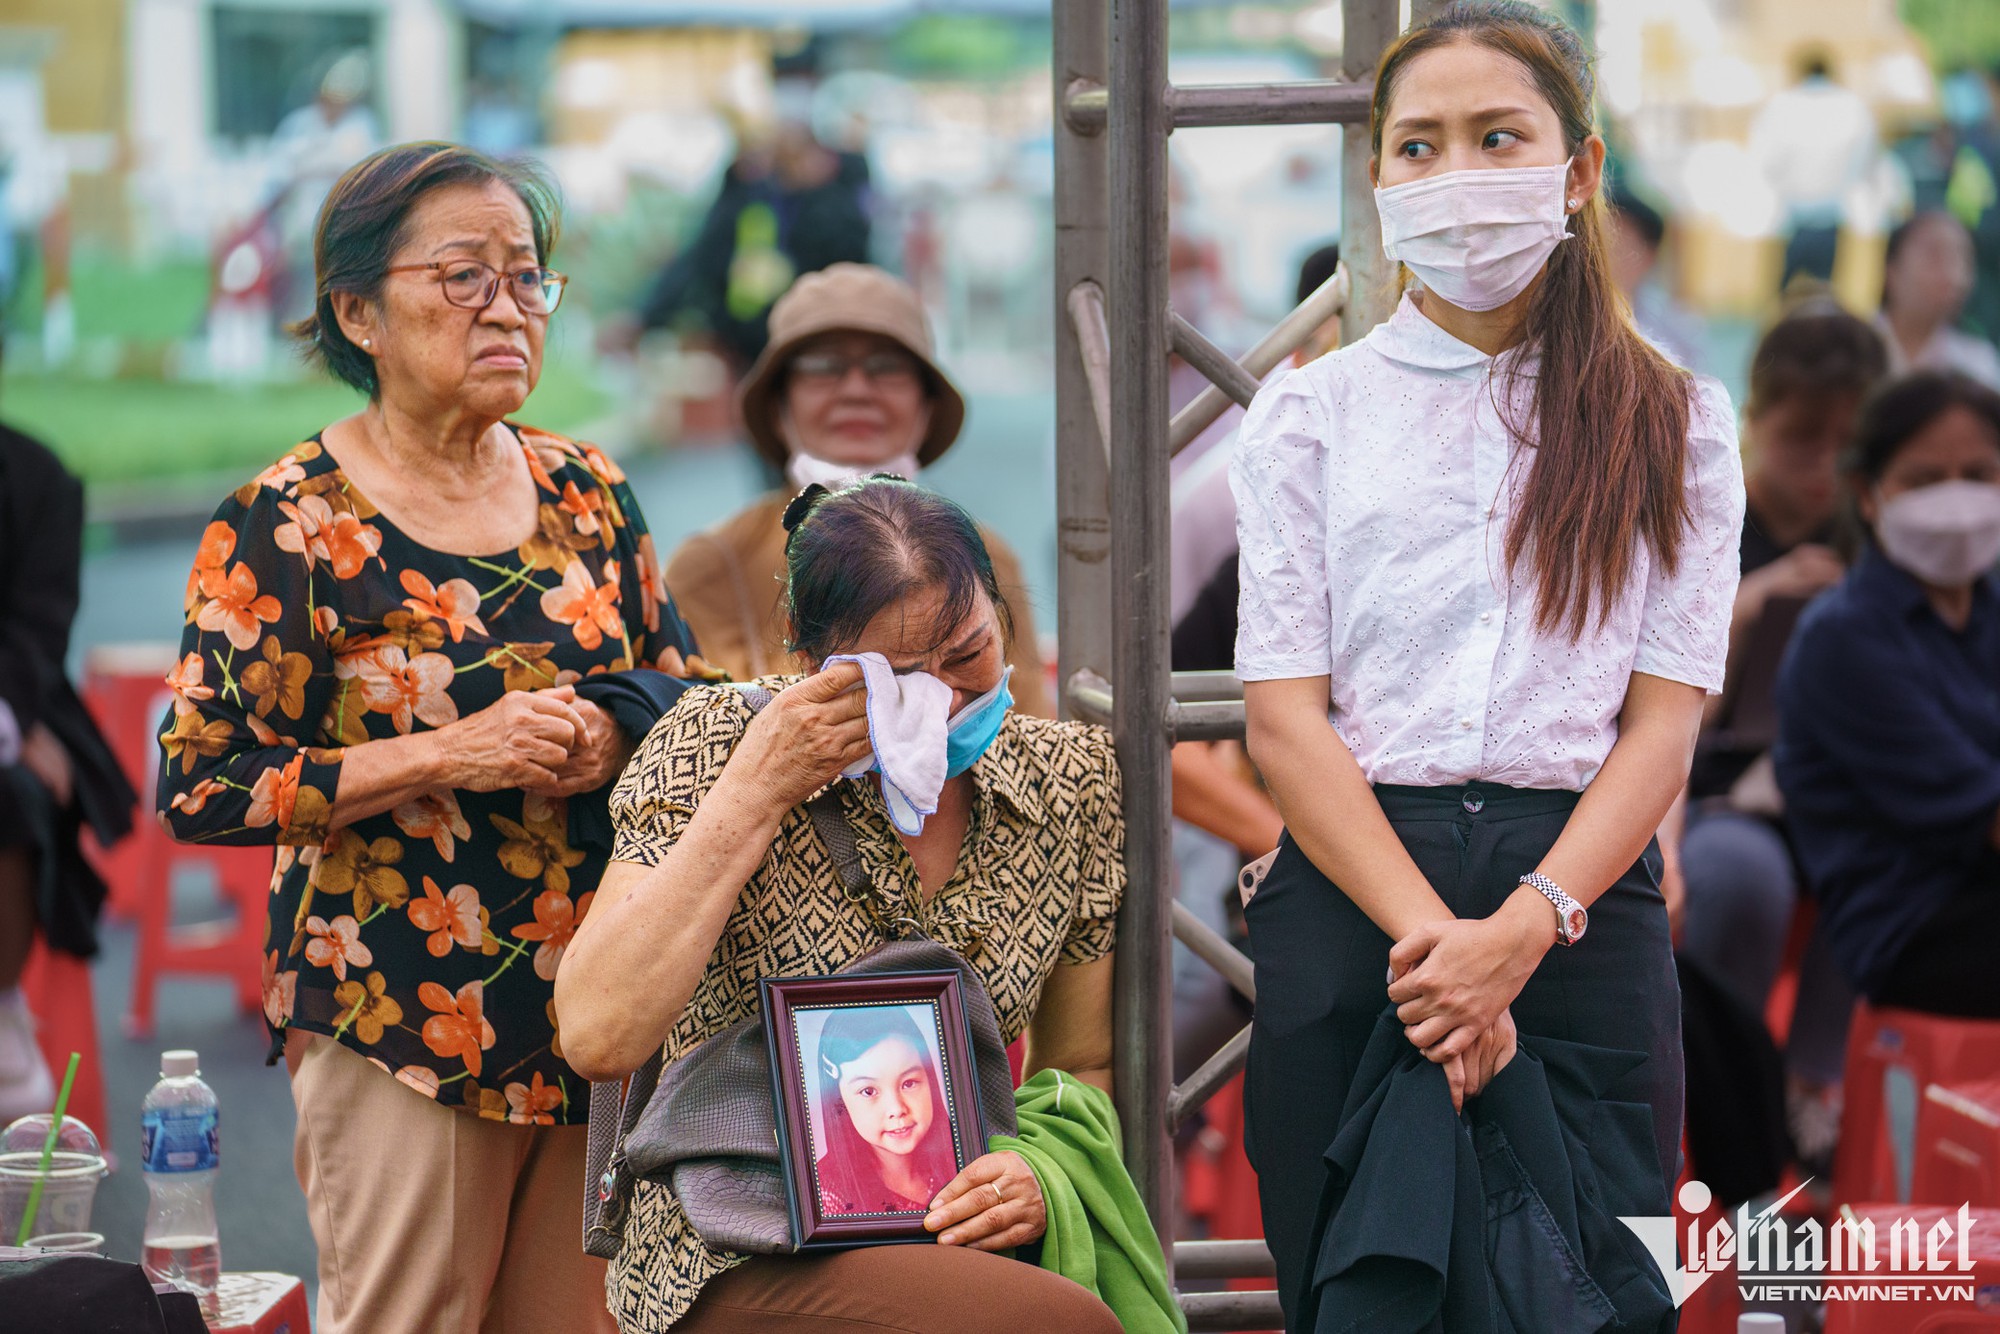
(1494, 1222)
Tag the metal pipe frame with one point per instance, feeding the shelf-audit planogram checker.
(1111, 215)
(1191, 106)
(1326, 302)
(1137, 127)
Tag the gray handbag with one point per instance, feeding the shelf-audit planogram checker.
(706, 1126)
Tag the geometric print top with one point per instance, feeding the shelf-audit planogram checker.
(1038, 883)
(426, 938)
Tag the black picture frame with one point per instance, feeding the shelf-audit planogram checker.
(836, 1185)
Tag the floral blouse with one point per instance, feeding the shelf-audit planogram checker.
(427, 937)
(1038, 884)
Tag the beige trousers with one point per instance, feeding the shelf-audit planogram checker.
(432, 1221)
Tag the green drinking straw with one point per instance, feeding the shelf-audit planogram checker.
(48, 1150)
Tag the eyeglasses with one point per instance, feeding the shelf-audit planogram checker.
(472, 286)
(830, 368)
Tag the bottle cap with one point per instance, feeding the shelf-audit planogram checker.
(179, 1064)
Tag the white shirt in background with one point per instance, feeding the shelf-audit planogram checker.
(1815, 142)
(1947, 350)
(1373, 494)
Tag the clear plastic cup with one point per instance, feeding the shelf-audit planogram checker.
(84, 1243)
(69, 1184)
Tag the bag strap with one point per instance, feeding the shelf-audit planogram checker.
(615, 1107)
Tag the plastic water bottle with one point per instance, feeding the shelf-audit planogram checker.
(180, 1155)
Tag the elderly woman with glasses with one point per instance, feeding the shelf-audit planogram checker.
(847, 387)
(385, 632)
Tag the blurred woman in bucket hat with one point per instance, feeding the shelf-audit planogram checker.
(847, 387)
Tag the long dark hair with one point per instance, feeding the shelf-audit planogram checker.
(849, 1169)
(1609, 412)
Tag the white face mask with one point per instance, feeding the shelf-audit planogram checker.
(1946, 534)
(1476, 238)
(804, 470)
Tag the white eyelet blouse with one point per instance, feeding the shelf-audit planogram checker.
(1373, 491)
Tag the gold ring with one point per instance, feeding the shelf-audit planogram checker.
(998, 1198)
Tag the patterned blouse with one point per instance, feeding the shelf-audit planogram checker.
(1038, 884)
(427, 937)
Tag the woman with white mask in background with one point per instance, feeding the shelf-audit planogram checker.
(1488, 561)
(1889, 722)
(847, 387)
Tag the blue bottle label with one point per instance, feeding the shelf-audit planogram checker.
(180, 1142)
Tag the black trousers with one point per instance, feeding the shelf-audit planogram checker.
(1322, 970)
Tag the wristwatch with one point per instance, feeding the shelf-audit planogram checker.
(1571, 920)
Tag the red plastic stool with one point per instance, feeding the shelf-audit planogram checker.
(261, 1304)
(1897, 1054)
(57, 986)
(125, 688)
(231, 948)
(1958, 1145)
(1976, 1313)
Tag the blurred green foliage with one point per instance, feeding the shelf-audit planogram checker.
(1958, 32)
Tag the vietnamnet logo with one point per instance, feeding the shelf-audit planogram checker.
(1777, 1258)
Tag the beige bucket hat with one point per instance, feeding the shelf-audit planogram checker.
(843, 298)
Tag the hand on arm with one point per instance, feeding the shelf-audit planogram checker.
(640, 952)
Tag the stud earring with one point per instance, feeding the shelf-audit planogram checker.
(369, 342)
(1572, 204)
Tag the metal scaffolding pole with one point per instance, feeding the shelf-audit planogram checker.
(1115, 110)
(1137, 127)
(1082, 260)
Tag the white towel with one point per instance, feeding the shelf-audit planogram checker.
(906, 730)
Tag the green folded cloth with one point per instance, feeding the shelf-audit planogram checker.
(1098, 1233)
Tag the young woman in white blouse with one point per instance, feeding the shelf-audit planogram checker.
(1488, 560)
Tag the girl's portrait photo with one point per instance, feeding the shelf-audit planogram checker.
(881, 1132)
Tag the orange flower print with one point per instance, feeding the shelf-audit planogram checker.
(652, 584)
(273, 795)
(583, 508)
(530, 1104)
(601, 465)
(233, 606)
(218, 543)
(538, 847)
(304, 524)
(281, 991)
(589, 609)
(556, 920)
(281, 474)
(402, 686)
(455, 602)
(459, 1027)
(423, 1080)
(348, 544)
(353, 865)
(191, 736)
(278, 680)
(365, 1005)
(435, 816)
(448, 917)
(336, 944)
(185, 681)
(192, 801)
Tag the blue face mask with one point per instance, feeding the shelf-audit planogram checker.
(971, 732)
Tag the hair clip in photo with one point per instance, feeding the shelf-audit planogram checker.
(802, 505)
(831, 1070)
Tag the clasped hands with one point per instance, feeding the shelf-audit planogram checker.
(1454, 979)
(547, 742)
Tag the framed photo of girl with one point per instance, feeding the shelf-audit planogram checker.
(877, 1101)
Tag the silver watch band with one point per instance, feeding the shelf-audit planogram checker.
(1571, 919)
